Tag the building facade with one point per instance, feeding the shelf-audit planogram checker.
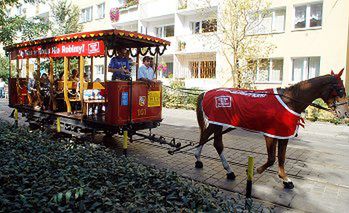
(311, 38)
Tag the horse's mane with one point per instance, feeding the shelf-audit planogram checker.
(320, 81)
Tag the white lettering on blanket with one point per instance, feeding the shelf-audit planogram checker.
(245, 93)
(223, 101)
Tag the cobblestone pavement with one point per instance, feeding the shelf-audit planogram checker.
(317, 162)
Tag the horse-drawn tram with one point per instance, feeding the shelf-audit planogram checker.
(71, 101)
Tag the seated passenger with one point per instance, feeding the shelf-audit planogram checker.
(45, 90)
(146, 72)
(120, 66)
(74, 75)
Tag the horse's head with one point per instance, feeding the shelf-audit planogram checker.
(336, 97)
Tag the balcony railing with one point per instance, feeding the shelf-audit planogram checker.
(197, 43)
(129, 3)
(196, 4)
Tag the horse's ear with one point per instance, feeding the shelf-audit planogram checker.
(332, 73)
(340, 73)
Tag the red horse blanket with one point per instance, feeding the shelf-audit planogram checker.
(255, 110)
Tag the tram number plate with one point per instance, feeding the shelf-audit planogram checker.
(153, 98)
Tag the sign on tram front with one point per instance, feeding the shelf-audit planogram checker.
(78, 48)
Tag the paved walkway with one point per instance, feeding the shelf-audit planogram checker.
(317, 161)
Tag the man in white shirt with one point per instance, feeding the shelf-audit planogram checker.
(146, 72)
(2, 88)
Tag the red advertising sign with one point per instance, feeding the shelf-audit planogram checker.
(79, 48)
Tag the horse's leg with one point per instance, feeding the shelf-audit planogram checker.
(218, 144)
(205, 134)
(271, 149)
(282, 145)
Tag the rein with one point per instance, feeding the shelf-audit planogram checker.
(335, 104)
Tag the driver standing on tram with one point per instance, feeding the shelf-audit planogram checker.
(120, 66)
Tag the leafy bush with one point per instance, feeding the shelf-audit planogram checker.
(40, 173)
(175, 97)
(315, 114)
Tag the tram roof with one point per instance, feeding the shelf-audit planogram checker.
(123, 38)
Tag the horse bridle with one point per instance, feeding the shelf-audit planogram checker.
(337, 91)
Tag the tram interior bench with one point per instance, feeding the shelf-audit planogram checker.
(93, 98)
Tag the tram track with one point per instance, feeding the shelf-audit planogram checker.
(194, 143)
(190, 153)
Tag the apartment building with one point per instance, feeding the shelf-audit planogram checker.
(311, 38)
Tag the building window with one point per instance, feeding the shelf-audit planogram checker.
(169, 71)
(204, 26)
(203, 69)
(308, 16)
(101, 11)
(274, 22)
(270, 70)
(305, 68)
(99, 69)
(164, 31)
(19, 10)
(86, 15)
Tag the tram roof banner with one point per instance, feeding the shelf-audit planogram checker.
(68, 49)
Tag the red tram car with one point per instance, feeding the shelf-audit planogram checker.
(125, 105)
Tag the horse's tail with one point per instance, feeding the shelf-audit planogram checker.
(200, 113)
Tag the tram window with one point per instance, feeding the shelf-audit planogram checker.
(99, 69)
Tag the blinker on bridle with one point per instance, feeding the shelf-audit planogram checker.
(338, 91)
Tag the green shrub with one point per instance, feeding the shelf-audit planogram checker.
(40, 173)
(176, 97)
(315, 114)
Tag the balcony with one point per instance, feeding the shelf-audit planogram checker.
(196, 43)
(190, 7)
(129, 4)
(157, 8)
(129, 14)
(124, 13)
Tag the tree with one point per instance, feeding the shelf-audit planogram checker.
(65, 18)
(4, 67)
(240, 23)
(19, 27)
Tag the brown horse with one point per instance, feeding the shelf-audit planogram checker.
(297, 98)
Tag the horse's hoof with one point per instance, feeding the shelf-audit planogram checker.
(288, 185)
(259, 171)
(231, 176)
(199, 164)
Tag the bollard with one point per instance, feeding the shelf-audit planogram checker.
(249, 177)
(124, 146)
(16, 117)
(58, 124)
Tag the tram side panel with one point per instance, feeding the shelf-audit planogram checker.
(18, 92)
(146, 102)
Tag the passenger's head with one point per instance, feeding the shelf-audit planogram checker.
(44, 75)
(0, 79)
(74, 72)
(122, 52)
(147, 61)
